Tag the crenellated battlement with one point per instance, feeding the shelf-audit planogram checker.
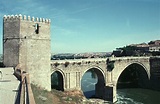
(24, 17)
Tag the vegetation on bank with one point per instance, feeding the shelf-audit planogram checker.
(58, 97)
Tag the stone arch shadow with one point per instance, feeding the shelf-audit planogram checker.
(99, 86)
(57, 80)
(143, 72)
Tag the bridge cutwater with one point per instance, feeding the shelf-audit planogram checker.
(26, 46)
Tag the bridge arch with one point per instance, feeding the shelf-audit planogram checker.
(57, 79)
(93, 67)
(99, 86)
(141, 71)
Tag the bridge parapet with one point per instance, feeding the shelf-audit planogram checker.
(80, 60)
(128, 58)
(77, 62)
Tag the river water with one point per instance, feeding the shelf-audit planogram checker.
(124, 96)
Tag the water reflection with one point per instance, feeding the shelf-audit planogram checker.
(138, 96)
(88, 84)
(124, 96)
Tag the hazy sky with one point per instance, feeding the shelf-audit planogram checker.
(91, 25)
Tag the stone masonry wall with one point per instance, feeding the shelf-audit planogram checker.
(155, 73)
(73, 70)
(11, 38)
(33, 47)
(121, 64)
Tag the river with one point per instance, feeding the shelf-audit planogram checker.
(124, 96)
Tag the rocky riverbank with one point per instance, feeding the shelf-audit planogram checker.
(58, 97)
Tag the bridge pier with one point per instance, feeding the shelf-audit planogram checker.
(110, 89)
(99, 88)
(110, 93)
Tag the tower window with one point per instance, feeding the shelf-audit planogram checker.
(37, 28)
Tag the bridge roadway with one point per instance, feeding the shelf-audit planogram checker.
(79, 60)
(100, 59)
(8, 86)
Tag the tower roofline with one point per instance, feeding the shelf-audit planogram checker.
(27, 18)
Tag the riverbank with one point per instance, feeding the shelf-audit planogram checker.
(58, 97)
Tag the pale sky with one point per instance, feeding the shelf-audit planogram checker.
(91, 25)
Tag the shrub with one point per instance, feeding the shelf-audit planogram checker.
(1, 64)
(66, 64)
(79, 63)
(110, 65)
(73, 63)
(56, 64)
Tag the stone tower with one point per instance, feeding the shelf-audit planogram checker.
(26, 42)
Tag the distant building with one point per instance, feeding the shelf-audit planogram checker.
(154, 48)
(143, 47)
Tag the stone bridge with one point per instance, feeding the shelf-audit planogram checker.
(108, 71)
(26, 44)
